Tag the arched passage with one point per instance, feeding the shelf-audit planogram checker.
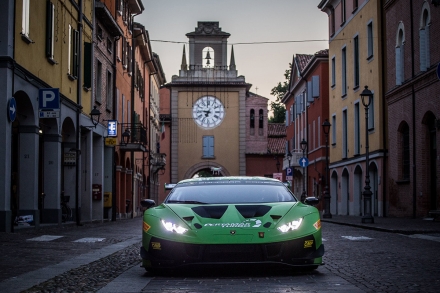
(357, 191)
(206, 165)
(334, 193)
(345, 193)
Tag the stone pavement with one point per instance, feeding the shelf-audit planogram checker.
(25, 262)
(405, 226)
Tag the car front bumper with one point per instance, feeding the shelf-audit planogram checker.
(168, 254)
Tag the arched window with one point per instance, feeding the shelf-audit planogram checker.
(208, 57)
(425, 22)
(405, 151)
(400, 42)
(252, 117)
(260, 118)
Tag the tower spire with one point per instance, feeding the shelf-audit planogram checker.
(184, 66)
(232, 63)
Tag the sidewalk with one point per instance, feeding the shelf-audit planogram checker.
(394, 225)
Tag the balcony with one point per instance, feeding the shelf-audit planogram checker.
(294, 161)
(134, 137)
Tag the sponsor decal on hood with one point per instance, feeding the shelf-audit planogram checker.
(248, 223)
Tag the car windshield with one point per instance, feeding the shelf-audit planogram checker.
(227, 192)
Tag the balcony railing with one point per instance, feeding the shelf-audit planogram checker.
(133, 137)
(158, 162)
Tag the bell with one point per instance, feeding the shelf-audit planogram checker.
(207, 56)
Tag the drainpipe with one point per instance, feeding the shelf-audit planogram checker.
(78, 113)
(413, 96)
(115, 106)
(384, 131)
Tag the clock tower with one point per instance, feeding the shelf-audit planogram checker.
(208, 112)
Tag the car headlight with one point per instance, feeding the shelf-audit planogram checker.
(293, 225)
(173, 227)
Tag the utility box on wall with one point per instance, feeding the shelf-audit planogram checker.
(107, 199)
(97, 191)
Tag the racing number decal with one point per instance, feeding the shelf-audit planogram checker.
(308, 243)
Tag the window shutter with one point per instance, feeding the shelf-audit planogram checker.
(298, 105)
(310, 92)
(315, 83)
(208, 146)
(422, 43)
(49, 29)
(291, 113)
(287, 117)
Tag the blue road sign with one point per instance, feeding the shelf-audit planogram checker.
(112, 128)
(303, 162)
(49, 99)
(289, 171)
(12, 109)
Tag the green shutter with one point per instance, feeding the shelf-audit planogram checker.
(87, 65)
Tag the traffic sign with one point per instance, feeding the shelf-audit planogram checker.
(289, 171)
(12, 109)
(303, 162)
(278, 176)
(49, 99)
(112, 128)
(289, 178)
(110, 141)
(49, 114)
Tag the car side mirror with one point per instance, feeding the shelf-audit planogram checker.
(148, 203)
(311, 201)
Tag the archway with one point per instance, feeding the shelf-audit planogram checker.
(374, 184)
(430, 155)
(334, 193)
(357, 191)
(345, 193)
(215, 168)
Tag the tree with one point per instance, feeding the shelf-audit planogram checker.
(278, 109)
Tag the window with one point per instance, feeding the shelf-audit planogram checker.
(109, 104)
(370, 40)
(87, 65)
(252, 118)
(343, 14)
(118, 50)
(355, 5)
(425, 61)
(333, 71)
(72, 66)
(400, 55)
(129, 58)
(344, 135)
(50, 10)
(357, 130)
(332, 21)
(371, 114)
(109, 45)
(25, 19)
(98, 92)
(344, 72)
(124, 52)
(405, 151)
(333, 130)
(119, 6)
(99, 32)
(208, 146)
(356, 62)
(260, 119)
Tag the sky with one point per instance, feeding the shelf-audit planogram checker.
(289, 24)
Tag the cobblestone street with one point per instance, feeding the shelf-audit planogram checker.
(105, 258)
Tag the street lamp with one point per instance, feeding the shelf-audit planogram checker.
(289, 157)
(327, 214)
(94, 115)
(125, 136)
(304, 147)
(366, 96)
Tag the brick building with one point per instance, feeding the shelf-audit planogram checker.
(413, 97)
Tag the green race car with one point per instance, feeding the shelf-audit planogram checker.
(231, 220)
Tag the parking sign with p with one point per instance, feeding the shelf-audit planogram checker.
(49, 99)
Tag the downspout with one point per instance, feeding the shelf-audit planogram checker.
(384, 130)
(78, 112)
(413, 114)
(116, 118)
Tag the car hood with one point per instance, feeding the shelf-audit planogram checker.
(236, 215)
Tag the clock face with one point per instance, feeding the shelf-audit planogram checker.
(208, 112)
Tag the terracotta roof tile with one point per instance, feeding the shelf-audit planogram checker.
(276, 145)
(276, 129)
(302, 60)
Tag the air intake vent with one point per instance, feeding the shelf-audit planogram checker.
(212, 212)
(252, 211)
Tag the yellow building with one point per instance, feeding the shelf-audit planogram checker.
(355, 55)
(207, 108)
